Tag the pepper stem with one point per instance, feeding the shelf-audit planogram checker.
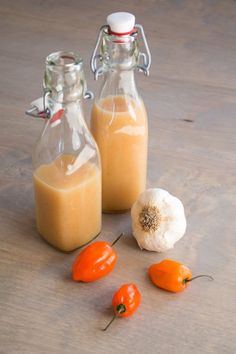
(198, 276)
(117, 239)
(108, 325)
(119, 309)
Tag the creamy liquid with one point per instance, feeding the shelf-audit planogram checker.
(119, 126)
(68, 207)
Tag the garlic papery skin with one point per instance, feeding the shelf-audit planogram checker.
(158, 220)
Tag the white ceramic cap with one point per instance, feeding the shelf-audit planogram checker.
(121, 22)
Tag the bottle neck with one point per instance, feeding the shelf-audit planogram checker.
(64, 78)
(54, 104)
(119, 53)
(119, 82)
(119, 59)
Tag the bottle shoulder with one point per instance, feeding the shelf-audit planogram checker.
(70, 135)
(120, 104)
(116, 111)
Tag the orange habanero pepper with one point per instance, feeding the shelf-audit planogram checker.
(94, 262)
(125, 301)
(172, 275)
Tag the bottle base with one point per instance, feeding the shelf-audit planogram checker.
(65, 250)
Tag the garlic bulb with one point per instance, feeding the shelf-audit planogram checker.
(158, 220)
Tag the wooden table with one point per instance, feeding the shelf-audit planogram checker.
(191, 100)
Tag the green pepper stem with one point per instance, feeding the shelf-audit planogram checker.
(116, 240)
(119, 309)
(108, 325)
(198, 276)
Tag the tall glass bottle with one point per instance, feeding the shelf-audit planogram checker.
(119, 118)
(67, 176)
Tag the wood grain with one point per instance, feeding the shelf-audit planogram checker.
(191, 99)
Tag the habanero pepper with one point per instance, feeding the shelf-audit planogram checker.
(125, 302)
(171, 275)
(94, 262)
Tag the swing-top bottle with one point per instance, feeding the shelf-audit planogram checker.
(119, 118)
(67, 177)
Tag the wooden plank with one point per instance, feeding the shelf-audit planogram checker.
(190, 97)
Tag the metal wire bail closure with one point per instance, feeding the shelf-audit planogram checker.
(144, 58)
(39, 107)
(97, 57)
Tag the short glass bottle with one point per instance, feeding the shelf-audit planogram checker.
(67, 173)
(119, 119)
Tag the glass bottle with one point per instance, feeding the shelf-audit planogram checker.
(67, 173)
(119, 118)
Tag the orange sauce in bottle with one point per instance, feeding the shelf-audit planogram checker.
(119, 126)
(68, 205)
